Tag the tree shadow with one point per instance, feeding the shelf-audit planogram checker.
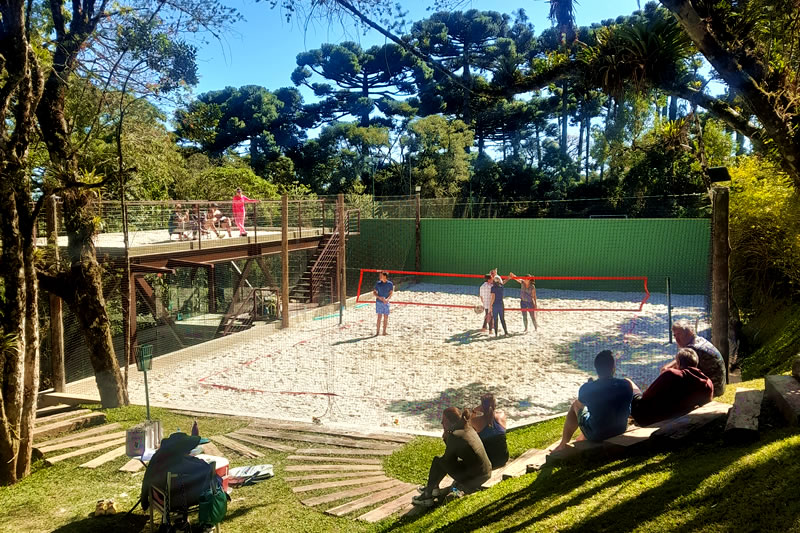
(430, 409)
(751, 482)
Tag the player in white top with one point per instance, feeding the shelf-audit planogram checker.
(486, 300)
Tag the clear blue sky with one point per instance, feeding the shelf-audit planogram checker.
(262, 49)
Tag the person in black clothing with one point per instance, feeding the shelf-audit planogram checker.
(498, 308)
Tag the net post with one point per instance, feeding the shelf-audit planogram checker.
(285, 261)
(669, 310)
(341, 254)
(56, 312)
(418, 238)
(720, 273)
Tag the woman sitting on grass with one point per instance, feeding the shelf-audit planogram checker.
(464, 459)
(491, 428)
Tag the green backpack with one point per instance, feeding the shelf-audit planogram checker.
(213, 502)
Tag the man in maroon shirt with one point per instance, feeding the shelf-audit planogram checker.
(676, 391)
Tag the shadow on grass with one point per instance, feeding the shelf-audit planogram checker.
(745, 493)
(121, 522)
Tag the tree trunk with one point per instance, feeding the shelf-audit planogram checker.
(31, 365)
(673, 108)
(588, 141)
(13, 324)
(564, 117)
(86, 298)
(580, 145)
(467, 77)
(538, 148)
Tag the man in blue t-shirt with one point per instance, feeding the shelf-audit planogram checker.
(603, 406)
(383, 292)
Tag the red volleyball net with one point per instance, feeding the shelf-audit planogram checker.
(551, 293)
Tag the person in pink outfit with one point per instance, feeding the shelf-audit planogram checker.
(238, 210)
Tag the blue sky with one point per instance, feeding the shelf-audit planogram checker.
(261, 50)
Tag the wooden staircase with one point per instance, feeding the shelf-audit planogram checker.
(316, 280)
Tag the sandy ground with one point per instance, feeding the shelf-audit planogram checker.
(432, 358)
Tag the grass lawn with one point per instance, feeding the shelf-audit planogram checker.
(707, 486)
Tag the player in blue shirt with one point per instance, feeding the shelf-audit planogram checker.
(383, 292)
(603, 405)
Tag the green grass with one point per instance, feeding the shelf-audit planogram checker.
(775, 336)
(706, 486)
(411, 463)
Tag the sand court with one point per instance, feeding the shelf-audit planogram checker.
(433, 358)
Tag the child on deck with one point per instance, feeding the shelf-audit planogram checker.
(239, 210)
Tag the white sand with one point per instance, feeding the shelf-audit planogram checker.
(432, 358)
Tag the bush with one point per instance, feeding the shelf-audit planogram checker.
(764, 235)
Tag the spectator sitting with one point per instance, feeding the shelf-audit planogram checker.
(177, 223)
(711, 363)
(603, 406)
(676, 391)
(464, 458)
(214, 217)
(491, 428)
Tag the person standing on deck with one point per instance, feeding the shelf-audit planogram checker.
(383, 292)
(239, 210)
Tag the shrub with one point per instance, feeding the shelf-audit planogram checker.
(764, 235)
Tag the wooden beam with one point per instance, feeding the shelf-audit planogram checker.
(262, 442)
(285, 261)
(61, 416)
(340, 483)
(139, 268)
(84, 451)
(331, 475)
(332, 468)
(134, 465)
(106, 457)
(784, 391)
(81, 435)
(720, 274)
(334, 459)
(342, 451)
(80, 442)
(56, 311)
(389, 508)
(332, 441)
(328, 498)
(91, 419)
(369, 499)
(237, 447)
(743, 417)
(318, 429)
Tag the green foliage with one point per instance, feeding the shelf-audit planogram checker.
(440, 158)
(271, 122)
(366, 79)
(764, 234)
(219, 183)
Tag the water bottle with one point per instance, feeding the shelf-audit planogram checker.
(195, 431)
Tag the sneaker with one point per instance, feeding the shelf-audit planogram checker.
(453, 495)
(420, 501)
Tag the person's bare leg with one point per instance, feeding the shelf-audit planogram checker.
(385, 322)
(636, 390)
(378, 327)
(570, 425)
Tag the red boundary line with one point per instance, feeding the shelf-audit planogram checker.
(457, 306)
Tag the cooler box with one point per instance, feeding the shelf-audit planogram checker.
(221, 465)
